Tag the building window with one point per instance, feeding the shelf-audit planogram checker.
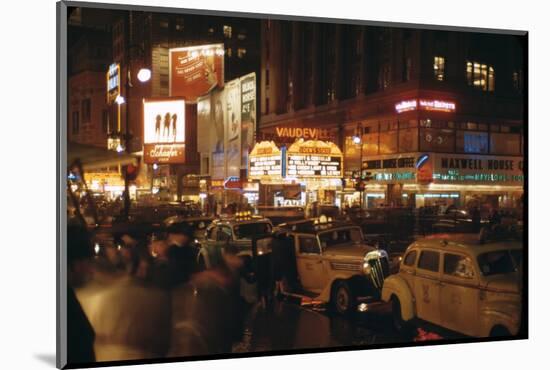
(517, 80)
(86, 110)
(439, 68)
(384, 76)
(480, 76)
(76, 123)
(472, 142)
(241, 53)
(229, 52)
(227, 31)
(163, 24)
(179, 27)
(241, 36)
(105, 121)
(211, 31)
(505, 143)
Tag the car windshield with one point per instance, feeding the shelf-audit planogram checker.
(340, 237)
(246, 231)
(496, 262)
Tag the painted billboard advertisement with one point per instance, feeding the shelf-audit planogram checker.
(195, 70)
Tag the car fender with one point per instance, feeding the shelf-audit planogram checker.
(503, 314)
(395, 285)
(325, 294)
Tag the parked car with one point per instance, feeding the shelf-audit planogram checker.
(331, 263)
(197, 223)
(459, 284)
(238, 230)
(458, 221)
(281, 214)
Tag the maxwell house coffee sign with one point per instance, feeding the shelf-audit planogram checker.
(195, 70)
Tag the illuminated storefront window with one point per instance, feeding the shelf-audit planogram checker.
(472, 142)
(439, 68)
(480, 76)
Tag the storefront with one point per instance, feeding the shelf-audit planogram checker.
(439, 179)
(302, 173)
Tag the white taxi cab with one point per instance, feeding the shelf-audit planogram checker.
(459, 284)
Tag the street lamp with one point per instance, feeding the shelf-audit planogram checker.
(120, 100)
(144, 75)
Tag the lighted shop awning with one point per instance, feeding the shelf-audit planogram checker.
(95, 158)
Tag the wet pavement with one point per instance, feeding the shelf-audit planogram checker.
(287, 326)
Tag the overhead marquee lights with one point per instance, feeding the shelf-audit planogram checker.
(425, 104)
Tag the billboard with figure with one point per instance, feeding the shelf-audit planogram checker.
(164, 130)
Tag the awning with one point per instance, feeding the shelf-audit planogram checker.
(95, 158)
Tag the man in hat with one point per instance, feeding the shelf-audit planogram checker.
(80, 334)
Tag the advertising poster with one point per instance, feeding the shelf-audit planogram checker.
(204, 123)
(217, 134)
(164, 131)
(195, 70)
(248, 116)
(232, 117)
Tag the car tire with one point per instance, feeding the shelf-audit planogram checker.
(397, 319)
(342, 299)
(499, 331)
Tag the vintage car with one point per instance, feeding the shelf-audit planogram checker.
(239, 230)
(458, 284)
(331, 263)
(197, 223)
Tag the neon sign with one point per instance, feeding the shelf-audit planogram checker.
(424, 104)
(406, 105)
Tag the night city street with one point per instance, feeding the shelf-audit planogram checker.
(237, 185)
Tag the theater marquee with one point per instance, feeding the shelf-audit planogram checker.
(314, 158)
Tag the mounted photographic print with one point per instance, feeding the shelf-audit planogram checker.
(235, 185)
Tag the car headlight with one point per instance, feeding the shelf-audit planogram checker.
(367, 268)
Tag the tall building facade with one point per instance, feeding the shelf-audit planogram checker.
(143, 40)
(88, 115)
(425, 117)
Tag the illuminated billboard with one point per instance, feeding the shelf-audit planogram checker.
(164, 130)
(195, 70)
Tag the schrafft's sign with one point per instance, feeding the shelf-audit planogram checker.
(196, 70)
(164, 131)
(313, 158)
(265, 159)
(425, 104)
(113, 82)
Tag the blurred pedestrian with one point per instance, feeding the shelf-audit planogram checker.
(80, 334)
(181, 254)
(132, 316)
(208, 312)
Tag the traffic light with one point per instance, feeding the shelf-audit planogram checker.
(130, 172)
